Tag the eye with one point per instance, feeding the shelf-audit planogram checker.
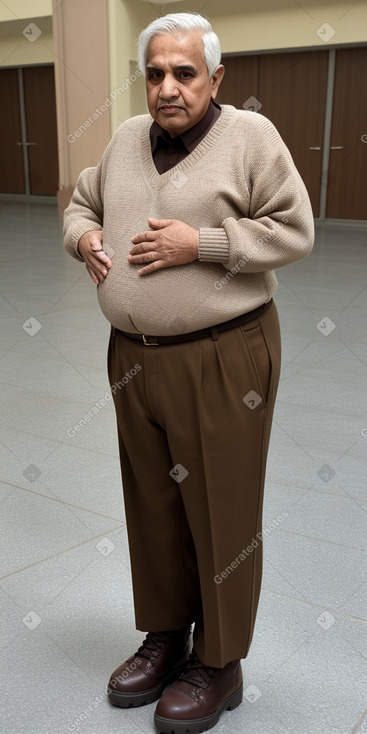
(186, 74)
(154, 75)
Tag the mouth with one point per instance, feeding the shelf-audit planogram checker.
(169, 108)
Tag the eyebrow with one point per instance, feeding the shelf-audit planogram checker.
(181, 67)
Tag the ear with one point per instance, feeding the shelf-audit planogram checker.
(216, 79)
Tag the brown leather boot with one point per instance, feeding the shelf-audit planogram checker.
(196, 700)
(142, 678)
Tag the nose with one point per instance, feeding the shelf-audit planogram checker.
(169, 89)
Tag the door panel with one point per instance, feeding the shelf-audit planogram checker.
(11, 153)
(40, 104)
(292, 91)
(346, 197)
(240, 81)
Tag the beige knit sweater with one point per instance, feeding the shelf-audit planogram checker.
(239, 187)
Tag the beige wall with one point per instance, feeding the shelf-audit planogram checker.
(292, 27)
(15, 9)
(17, 50)
(255, 25)
(126, 18)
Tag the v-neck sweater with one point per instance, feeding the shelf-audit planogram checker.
(239, 187)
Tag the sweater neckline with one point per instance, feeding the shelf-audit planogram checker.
(159, 180)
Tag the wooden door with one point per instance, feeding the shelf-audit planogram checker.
(240, 82)
(11, 150)
(289, 89)
(346, 197)
(40, 106)
(292, 91)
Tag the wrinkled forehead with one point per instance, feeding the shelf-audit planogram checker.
(176, 49)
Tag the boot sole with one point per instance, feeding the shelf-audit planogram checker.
(142, 698)
(196, 726)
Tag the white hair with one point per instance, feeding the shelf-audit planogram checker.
(181, 22)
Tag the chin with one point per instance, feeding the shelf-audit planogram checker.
(171, 127)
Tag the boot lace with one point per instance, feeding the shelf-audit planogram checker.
(153, 644)
(197, 674)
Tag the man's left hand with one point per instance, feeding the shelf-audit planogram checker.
(169, 242)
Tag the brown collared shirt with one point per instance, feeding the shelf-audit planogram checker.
(167, 152)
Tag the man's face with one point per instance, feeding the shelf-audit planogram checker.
(178, 86)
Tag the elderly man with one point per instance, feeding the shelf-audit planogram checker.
(180, 226)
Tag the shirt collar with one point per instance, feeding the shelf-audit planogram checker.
(159, 135)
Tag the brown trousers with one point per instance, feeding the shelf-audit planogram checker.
(192, 532)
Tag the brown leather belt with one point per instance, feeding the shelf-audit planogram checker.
(212, 331)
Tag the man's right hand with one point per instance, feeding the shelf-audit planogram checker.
(96, 260)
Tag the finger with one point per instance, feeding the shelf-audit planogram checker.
(89, 241)
(102, 256)
(157, 265)
(143, 237)
(99, 268)
(95, 240)
(142, 257)
(159, 223)
(92, 275)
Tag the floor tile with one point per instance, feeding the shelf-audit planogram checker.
(36, 527)
(67, 603)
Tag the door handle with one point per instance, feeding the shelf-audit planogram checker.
(337, 147)
(30, 144)
(315, 147)
(18, 143)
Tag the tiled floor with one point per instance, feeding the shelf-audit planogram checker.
(66, 592)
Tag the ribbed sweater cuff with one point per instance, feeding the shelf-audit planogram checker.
(213, 245)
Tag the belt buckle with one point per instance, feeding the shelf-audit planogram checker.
(147, 339)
